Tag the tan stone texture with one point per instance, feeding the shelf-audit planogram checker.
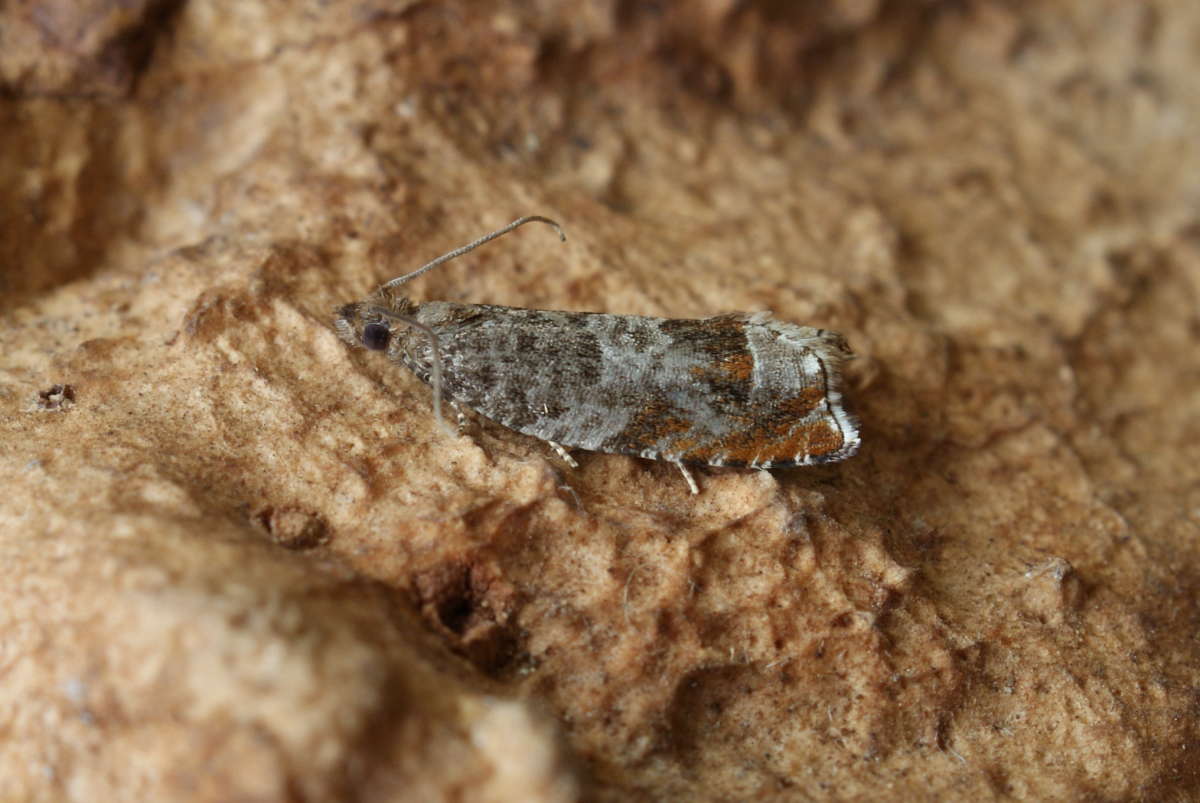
(240, 561)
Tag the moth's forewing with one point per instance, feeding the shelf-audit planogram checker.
(731, 390)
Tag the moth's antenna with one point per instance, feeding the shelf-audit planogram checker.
(457, 252)
(435, 375)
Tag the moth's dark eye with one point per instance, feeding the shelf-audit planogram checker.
(375, 336)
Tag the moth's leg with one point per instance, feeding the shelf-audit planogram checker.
(574, 496)
(570, 461)
(460, 416)
(687, 475)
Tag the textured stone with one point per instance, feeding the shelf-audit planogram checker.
(246, 563)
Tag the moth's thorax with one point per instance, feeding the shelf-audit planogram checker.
(411, 346)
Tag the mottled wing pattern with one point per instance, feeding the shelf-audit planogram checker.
(733, 390)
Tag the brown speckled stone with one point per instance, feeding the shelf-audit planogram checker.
(246, 563)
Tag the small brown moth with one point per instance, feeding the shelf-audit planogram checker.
(739, 390)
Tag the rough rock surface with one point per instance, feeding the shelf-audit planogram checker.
(239, 561)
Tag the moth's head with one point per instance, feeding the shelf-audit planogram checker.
(368, 324)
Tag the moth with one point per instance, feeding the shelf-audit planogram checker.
(740, 390)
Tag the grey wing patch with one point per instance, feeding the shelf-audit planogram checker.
(533, 371)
